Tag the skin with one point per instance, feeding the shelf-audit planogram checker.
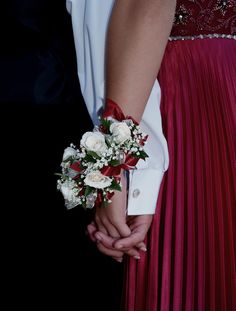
(137, 36)
(116, 248)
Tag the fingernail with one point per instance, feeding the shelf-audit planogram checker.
(119, 260)
(144, 249)
(137, 257)
(98, 237)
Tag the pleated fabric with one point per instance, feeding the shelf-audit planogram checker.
(191, 259)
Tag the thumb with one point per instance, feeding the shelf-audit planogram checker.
(130, 241)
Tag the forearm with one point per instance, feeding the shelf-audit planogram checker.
(137, 36)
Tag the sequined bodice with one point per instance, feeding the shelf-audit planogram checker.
(200, 18)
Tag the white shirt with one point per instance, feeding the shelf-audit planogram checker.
(90, 20)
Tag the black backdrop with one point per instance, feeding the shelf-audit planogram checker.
(48, 260)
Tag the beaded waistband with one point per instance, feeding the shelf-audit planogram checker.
(209, 36)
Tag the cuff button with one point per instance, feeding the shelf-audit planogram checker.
(136, 193)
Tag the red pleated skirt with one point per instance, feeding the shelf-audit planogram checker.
(191, 260)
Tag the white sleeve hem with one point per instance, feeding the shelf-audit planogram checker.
(144, 186)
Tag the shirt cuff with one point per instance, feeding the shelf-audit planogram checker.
(144, 186)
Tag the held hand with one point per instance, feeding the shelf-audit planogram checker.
(111, 220)
(116, 248)
(139, 226)
(105, 244)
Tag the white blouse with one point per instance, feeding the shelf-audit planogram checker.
(90, 20)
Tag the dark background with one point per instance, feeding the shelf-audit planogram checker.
(48, 260)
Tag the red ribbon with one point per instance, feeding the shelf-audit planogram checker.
(99, 199)
(110, 195)
(113, 110)
(111, 170)
(129, 164)
(76, 166)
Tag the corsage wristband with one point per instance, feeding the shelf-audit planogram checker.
(91, 173)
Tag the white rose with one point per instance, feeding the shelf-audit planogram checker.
(94, 141)
(69, 152)
(120, 132)
(70, 192)
(95, 179)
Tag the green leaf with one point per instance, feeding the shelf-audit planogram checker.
(114, 162)
(89, 158)
(106, 123)
(115, 186)
(142, 155)
(93, 154)
(88, 190)
(108, 142)
(84, 204)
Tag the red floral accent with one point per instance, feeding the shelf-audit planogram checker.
(103, 129)
(82, 191)
(142, 141)
(99, 199)
(130, 162)
(111, 170)
(113, 110)
(109, 195)
(76, 166)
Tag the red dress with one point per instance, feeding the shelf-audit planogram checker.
(191, 260)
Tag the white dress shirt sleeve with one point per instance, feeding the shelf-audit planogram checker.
(90, 20)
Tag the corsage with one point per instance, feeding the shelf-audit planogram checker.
(91, 172)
